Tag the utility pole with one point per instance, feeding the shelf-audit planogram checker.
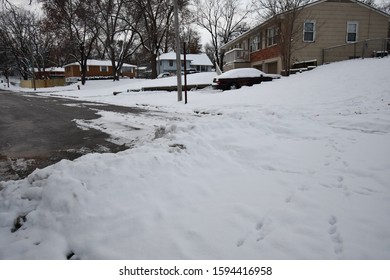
(33, 71)
(185, 72)
(178, 61)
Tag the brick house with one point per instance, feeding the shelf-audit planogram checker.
(50, 73)
(97, 69)
(325, 31)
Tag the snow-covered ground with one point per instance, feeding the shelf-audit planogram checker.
(297, 168)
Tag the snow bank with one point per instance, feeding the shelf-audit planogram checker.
(94, 88)
(297, 168)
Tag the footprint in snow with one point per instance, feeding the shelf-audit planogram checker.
(335, 235)
(263, 229)
(260, 233)
(340, 179)
(240, 242)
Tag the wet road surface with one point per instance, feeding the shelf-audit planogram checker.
(37, 131)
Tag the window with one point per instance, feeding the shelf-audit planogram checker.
(171, 63)
(352, 31)
(272, 36)
(255, 43)
(103, 69)
(309, 29)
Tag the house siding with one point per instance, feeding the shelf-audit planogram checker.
(331, 28)
(265, 54)
(330, 18)
(170, 66)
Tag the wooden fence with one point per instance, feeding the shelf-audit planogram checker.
(42, 83)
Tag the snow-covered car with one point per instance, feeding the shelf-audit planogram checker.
(191, 71)
(163, 75)
(236, 78)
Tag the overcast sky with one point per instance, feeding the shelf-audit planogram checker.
(206, 38)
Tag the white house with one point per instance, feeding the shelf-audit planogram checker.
(166, 62)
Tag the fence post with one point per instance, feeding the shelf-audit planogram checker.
(365, 44)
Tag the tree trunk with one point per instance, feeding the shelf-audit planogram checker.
(153, 63)
(114, 72)
(83, 74)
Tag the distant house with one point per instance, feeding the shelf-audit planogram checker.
(50, 73)
(325, 31)
(97, 69)
(199, 62)
(48, 77)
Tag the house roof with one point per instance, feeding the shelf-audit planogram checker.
(55, 69)
(169, 56)
(50, 69)
(196, 59)
(199, 59)
(304, 6)
(95, 62)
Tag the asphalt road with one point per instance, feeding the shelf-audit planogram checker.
(38, 131)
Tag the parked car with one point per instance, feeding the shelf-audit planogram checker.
(190, 71)
(236, 78)
(163, 75)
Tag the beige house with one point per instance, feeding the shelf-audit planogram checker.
(324, 31)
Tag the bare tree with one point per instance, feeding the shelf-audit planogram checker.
(23, 35)
(383, 5)
(186, 31)
(118, 36)
(223, 19)
(192, 39)
(6, 61)
(77, 20)
(5, 4)
(154, 18)
(13, 34)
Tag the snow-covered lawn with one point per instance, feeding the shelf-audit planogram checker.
(297, 168)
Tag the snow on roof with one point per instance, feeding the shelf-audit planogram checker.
(199, 59)
(169, 56)
(95, 62)
(50, 69)
(196, 59)
(55, 69)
